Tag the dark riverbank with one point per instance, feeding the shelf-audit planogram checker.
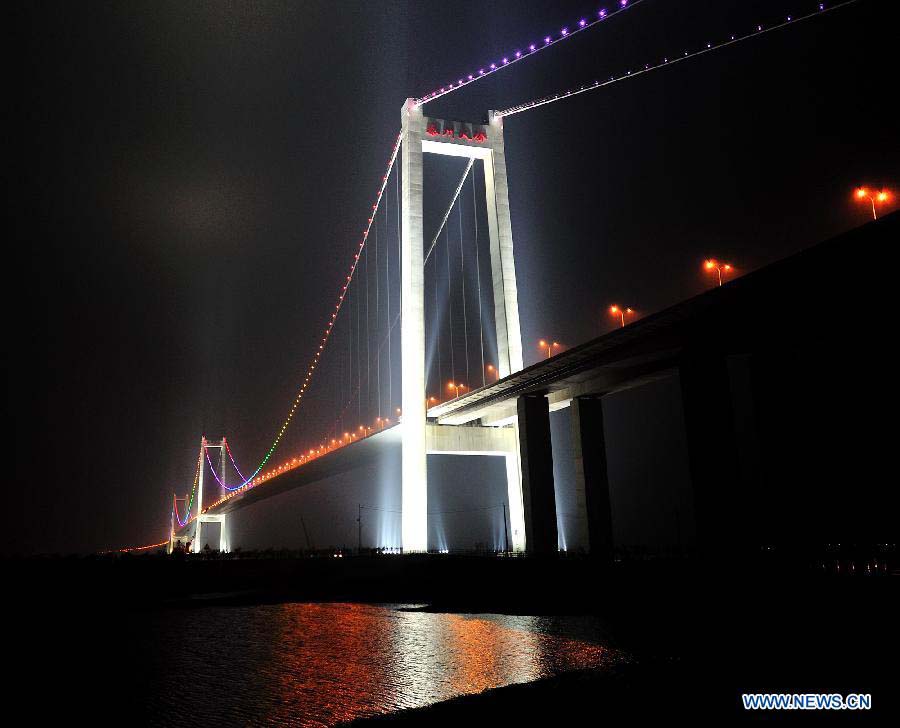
(710, 633)
(620, 695)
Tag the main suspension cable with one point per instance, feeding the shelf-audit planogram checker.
(530, 49)
(440, 229)
(667, 61)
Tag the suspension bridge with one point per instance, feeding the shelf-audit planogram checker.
(422, 353)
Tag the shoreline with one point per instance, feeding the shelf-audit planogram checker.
(620, 692)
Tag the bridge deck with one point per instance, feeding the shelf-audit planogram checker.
(778, 305)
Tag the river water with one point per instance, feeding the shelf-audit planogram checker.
(323, 663)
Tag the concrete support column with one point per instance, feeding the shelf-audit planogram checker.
(223, 536)
(591, 476)
(171, 545)
(538, 495)
(414, 487)
(503, 268)
(514, 496)
(196, 543)
(222, 490)
(712, 447)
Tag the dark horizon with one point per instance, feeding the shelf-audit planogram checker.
(191, 181)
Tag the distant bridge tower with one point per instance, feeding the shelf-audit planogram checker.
(209, 518)
(421, 134)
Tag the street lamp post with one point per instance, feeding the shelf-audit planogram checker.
(621, 313)
(864, 193)
(492, 371)
(456, 386)
(712, 264)
(549, 346)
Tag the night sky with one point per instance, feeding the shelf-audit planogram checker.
(189, 181)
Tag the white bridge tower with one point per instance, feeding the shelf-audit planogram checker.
(421, 134)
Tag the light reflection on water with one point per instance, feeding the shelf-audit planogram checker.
(319, 664)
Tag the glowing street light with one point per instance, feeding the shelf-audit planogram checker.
(492, 371)
(712, 264)
(864, 193)
(456, 386)
(620, 313)
(549, 346)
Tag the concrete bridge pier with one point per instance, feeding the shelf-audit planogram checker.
(538, 494)
(223, 538)
(591, 476)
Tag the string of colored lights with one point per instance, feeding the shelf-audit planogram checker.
(253, 480)
(549, 40)
(324, 448)
(216, 476)
(526, 51)
(337, 309)
(231, 457)
(175, 506)
(183, 523)
(325, 338)
(759, 29)
(583, 24)
(312, 454)
(139, 548)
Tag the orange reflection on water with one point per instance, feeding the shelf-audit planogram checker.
(328, 663)
(336, 662)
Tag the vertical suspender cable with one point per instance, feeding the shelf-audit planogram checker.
(478, 274)
(388, 295)
(462, 273)
(399, 253)
(450, 305)
(349, 397)
(368, 366)
(358, 367)
(437, 327)
(339, 366)
(377, 317)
